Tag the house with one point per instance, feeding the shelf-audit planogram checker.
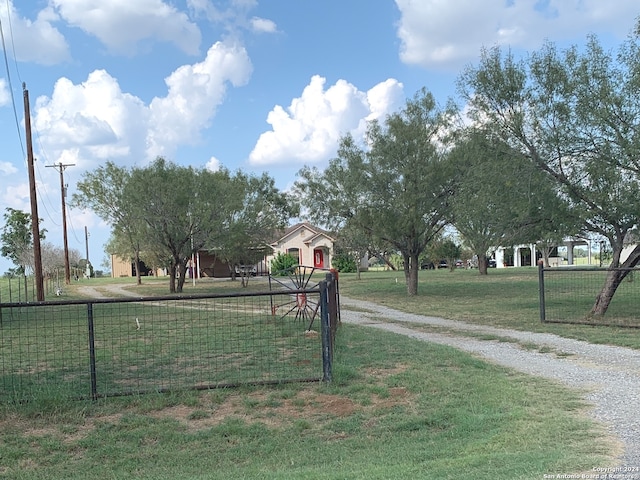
(207, 265)
(312, 246)
(528, 255)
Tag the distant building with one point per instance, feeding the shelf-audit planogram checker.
(204, 265)
(312, 246)
(528, 255)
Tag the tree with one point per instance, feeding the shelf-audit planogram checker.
(448, 250)
(180, 209)
(345, 262)
(256, 211)
(573, 114)
(396, 188)
(17, 239)
(352, 245)
(103, 191)
(503, 199)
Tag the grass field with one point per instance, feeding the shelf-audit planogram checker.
(153, 345)
(397, 408)
(506, 298)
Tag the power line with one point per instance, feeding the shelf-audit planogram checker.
(13, 44)
(13, 101)
(6, 62)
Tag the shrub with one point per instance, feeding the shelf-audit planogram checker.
(282, 262)
(344, 263)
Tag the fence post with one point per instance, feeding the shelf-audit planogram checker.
(92, 352)
(325, 331)
(543, 313)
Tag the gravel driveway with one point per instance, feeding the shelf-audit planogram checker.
(609, 375)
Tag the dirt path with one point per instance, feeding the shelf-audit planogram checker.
(106, 291)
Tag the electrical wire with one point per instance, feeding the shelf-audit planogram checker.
(40, 186)
(13, 100)
(13, 44)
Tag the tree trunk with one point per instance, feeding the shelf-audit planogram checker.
(613, 280)
(483, 262)
(411, 274)
(182, 270)
(603, 300)
(173, 268)
(545, 256)
(137, 267)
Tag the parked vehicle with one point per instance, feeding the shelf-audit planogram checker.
(491, 263)
(246, 270)
(443, 264)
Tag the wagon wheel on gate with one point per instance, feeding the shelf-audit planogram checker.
(305, 306)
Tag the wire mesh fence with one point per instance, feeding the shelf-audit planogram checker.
(22, 289)
(116, 347)
(568, 295)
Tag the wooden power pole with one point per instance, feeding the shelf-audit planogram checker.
(63, 192)
(35, 219)
(86, 242)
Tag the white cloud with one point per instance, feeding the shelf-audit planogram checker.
(5, 97)
(384, 98)
(234, 16)
(194, 93)
(17, 196)
(91, 122)
(94, 121)
(213, 165)
(262, 25)
(310, 128)
(122, 24)
(33, 40)
(441, 33)
(7, 168)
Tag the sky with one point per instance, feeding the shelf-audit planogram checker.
(256, 85)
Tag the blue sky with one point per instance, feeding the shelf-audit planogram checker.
(257, 85)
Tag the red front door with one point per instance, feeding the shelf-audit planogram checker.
(318, 258)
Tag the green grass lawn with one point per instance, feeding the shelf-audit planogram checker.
(397, 408)
(168, 343)
(506, 298)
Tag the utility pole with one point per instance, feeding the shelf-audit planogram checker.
(63, 192)
(35, 219)
(86, 242)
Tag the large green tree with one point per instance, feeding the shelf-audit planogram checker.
(503, 199)
(17, 239)
(574, 114)
(103, 192)
(256, 210)
(166, 213)
(181, 209)
(396, 186)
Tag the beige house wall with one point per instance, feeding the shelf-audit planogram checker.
(119, 267)
(306, 240)
(209, 266)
